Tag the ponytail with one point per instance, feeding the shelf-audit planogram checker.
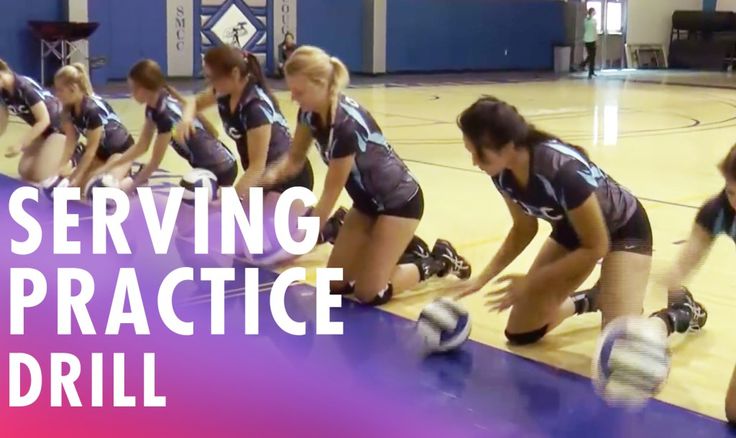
(208, 126)
(256, 75)
(222, 60)
(84, 80)
(75, 74)
(340, 78)
(536, 136)
(320, 68)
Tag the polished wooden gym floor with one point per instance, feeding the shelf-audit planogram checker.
(662, 141)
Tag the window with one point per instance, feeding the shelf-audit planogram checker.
(614, 18)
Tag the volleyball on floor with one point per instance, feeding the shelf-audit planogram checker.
(632, 361)
(48, 185)
(443, 326)
(199, 178)
(104, 180)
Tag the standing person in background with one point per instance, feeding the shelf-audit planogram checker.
(590, 38)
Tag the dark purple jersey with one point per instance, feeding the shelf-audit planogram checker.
(255, 109)
(96, 113)
(202, 150)
(26, 94)
(379, 177)
(717, 216)
(560, 180)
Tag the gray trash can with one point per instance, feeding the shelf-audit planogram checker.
(562, 59)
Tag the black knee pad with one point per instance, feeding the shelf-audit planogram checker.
(347, 289)
(526, 338)
(382, 297)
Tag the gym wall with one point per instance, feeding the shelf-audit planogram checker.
(369, 35)
(650, 21)
(18, 46)
(429, 35)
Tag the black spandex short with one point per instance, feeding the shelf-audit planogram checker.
(305, 179)
(49, 131)
(104, 153)
(227, 177)
(53, 128)
(413, 209)
(635, 236)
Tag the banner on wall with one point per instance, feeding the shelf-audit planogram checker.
(284, 20)
(180, 37)
(77, 10)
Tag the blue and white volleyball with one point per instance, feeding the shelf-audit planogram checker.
(48, 185)
(104, 180)
(199, 178)
(631, 362)
(443, 326)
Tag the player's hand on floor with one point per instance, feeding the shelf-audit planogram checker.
(472, 286)
(517, 286)
(13, 151)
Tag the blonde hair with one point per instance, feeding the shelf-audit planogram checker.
(75, 74)
(318, 67)
(4, 67)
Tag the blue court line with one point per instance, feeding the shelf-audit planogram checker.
(489, 391)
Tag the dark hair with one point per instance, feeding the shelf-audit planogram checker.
(491, 123)
(590, 11)
(223, 59)
(147, 74)
(728, 165)
(288, 34)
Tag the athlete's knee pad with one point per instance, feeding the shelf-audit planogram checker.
(346, 289)
(526, 338)
(382, 297)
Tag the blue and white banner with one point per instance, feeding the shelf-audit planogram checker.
(77, 11)
(180, 37)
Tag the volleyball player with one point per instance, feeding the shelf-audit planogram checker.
(250, 114)
(717, 216)
(163, 112)
(592, 218)
(42, 147)
(388, 201)
(91, 116)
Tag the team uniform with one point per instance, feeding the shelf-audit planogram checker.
(28, 93)
(95, 113)
(379, 182)
(717, 216)
(202, 150)
(560, 180)
(255, 109)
